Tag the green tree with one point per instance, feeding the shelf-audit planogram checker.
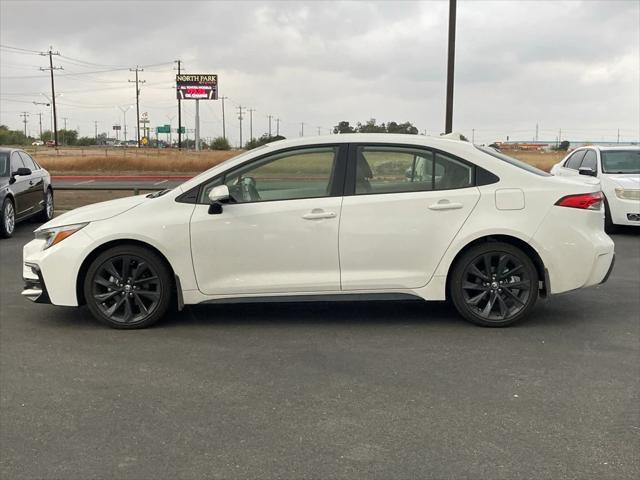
(406, 127)
(264, 139)
(86, 141)
(371, 127)
(343, 127)
(220, 143)
(13, 137)
(67, 137)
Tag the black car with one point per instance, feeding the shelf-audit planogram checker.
(25, 190)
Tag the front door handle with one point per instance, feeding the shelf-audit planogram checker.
(445, 205)
(318, 214)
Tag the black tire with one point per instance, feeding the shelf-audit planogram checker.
(47, 211)
(494, 285)
(609, 226)
(115, 282)
(7, 219)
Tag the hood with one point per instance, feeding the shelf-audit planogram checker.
(629, 181)
(96, 211)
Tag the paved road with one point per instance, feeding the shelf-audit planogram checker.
(125, 182)
(356, 390)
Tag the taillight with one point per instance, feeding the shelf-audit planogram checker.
(584, 201)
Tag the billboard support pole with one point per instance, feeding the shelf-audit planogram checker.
(197, 133)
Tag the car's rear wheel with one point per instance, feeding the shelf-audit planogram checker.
(47, 211)
(494, 285)
(128, 287)
(7, 219)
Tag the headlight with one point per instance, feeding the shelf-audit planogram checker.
(627, 194)
(57, 234)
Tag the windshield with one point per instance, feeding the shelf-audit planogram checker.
(621, 161)
(513, 161)
(4, 164)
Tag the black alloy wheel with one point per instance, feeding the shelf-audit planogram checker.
(128, 287)
(494, 284)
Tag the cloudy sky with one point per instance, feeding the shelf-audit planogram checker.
(571, 65)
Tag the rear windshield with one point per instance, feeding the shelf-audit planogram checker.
(621, 161)
(4, 164)
(513, 161)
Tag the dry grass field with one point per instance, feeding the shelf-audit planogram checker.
(115, 161)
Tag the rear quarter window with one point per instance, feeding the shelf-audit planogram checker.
(513, 161)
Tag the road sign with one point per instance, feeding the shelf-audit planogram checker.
(163, 129)
(116, 127)
(144, 140)
(182, 130)
(197, 86)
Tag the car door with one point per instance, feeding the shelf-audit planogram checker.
(20, 187)
(279, 231)
(35, 192)
(401, 210)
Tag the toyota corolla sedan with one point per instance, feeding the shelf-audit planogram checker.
(25, 190)
(361, 216)
(618, 168)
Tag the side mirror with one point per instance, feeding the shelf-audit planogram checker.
(216, 196)
(22, 171)
(219, 194)
(587, 171)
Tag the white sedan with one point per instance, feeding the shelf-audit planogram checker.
(618, 169)
(338, 217)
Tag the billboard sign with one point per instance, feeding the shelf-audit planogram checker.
(197, 86)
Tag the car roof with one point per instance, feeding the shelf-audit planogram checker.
(606, 148)
(388, 138)
(9, 149)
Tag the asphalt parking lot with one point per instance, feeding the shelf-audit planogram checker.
(349, 390)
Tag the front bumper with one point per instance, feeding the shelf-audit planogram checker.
(34, 286)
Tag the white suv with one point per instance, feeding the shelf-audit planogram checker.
(341, 216)
(618, 169)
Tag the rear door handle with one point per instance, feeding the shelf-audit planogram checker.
(318, 214)
(445, 205)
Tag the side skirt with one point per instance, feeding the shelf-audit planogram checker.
(343, 297)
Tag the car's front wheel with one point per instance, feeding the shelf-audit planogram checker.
(494, 284)
(128, 287)
(7, 219)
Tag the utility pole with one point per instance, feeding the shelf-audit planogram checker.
(51, 68)
(450, 66)
(40, 122)
(124, 119)
(302, 129)
(251, 110)
(95, 123)
(269, 117)
(618, 141)
(24, 116)
(137, 82)
(473, 135)
(240, 118)
(536, 131)
(64, 132)
(179, 113)
(319, 128)
(277, 127)
(197, 129)
(224, 128)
